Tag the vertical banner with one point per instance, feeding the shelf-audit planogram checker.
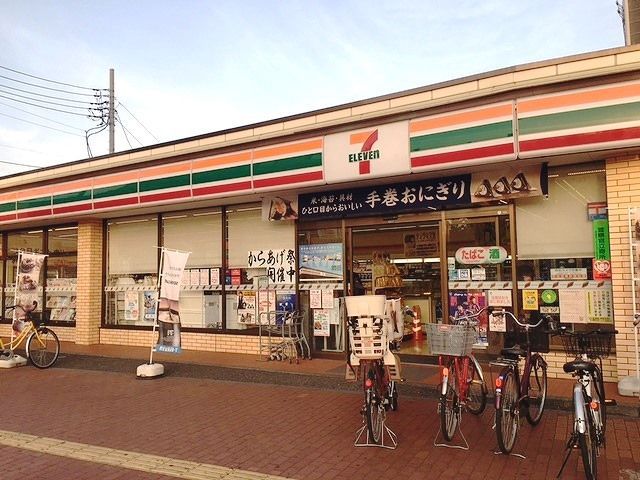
(171, 271)
(27, 283)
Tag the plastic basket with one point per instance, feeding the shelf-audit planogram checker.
(368, 341)
(455, 340)
(593, 344)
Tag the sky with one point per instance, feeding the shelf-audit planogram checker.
(191, 67)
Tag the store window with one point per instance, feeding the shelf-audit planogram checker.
(62, 273)
(132, 266)
(199, 233)
(247, 232)
(321, 258)
(556, 255)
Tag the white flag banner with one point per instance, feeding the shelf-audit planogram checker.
(27, 287)
(171, 271)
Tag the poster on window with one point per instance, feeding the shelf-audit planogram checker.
(150, 304)
(464, 303)
(573, 306)
(279, 264)
(321, 261)
(131, 306)
(171, 271)
(421, 243)
(246, 307)
(321, 323)
(27, 284)
(266, 307)
(285, 302)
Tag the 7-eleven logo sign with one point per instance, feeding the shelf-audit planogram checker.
(366, 153)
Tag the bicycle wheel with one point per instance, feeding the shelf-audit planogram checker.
(477, 393)
(506, 416)
(449, 406)
(537, 394)
(374, 408)
(43, 347)
(588, 446)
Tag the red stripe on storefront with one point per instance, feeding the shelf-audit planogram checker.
(580, 139)
(8, 218)
(288, 179)
(158, 197)
(225, 188)
(72, 208)
(115, 203)
(34, 213)
(470, 154)
(364, 167)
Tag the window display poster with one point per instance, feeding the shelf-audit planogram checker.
(600, 306)
(215, 277)
(266, 303)
(246, 307)
(497, 323)
(530, 299)
(285, 302)
(280, 264)
(150, 304)
(315, 298)
(322, 261)
(573, 306)
(327, 298)
(195, 277)
(321, 323)
(131, 305)
(422, 243)
(478, 274)
(334, 318)
(499, 298)
(463, 303)
(204, 276)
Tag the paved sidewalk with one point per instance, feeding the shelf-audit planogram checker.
(421, 379)
(81, 423)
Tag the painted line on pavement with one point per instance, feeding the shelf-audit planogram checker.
(130, 460)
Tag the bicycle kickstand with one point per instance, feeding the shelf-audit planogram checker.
(568, 448)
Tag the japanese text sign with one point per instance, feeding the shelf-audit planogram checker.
(280, 264)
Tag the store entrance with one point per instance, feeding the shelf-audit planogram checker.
(401, 261)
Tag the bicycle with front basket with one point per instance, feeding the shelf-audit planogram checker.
(42, 344)
(462, 383)
(589, 401)
(518, 391)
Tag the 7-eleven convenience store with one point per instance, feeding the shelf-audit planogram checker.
(508, 189)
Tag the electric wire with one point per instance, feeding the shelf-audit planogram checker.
(134, 117)
(18, 164)
(40, 116)
(55, 89)
(53, 103)
(49, 96)
(40, 125)
(46, 79)
(118, 120)
(47, 108)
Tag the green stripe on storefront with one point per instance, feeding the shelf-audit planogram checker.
(587, 117)
(221, 174)
(288, 164)
(33, 203)
(481, 133)
(115, 190)
(82, 196)
(7, 207)
(164, 183)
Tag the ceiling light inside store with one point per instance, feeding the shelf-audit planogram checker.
(585, 172)
(416, 260)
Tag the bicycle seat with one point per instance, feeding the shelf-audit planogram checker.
(579, 366)
(513, 352)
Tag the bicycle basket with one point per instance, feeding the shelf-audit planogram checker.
(456, 340)
(368, 341)
(593, 344)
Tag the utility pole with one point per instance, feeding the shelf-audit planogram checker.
(112, 126)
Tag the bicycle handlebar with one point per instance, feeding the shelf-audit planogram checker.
(523, 325)
(636, 319)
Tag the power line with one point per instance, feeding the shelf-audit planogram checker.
(53, 89)
(129, 112)
(46, 79)
(40, 125)
(23, 149)
(40, 116)
(118, 120)
(16, 163)
(51, 96)
(52, 103)
(47, 108)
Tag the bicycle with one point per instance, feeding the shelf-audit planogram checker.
(589, 401)
(42, 344)
(377, 366)
(462, 381)
(518, 392)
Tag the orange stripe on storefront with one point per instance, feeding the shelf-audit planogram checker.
(287, 150)
(74, 186)
(116, 178)
(8, 197)
(489, 114)
(171, 169)
(579, 98)
(222, 160)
